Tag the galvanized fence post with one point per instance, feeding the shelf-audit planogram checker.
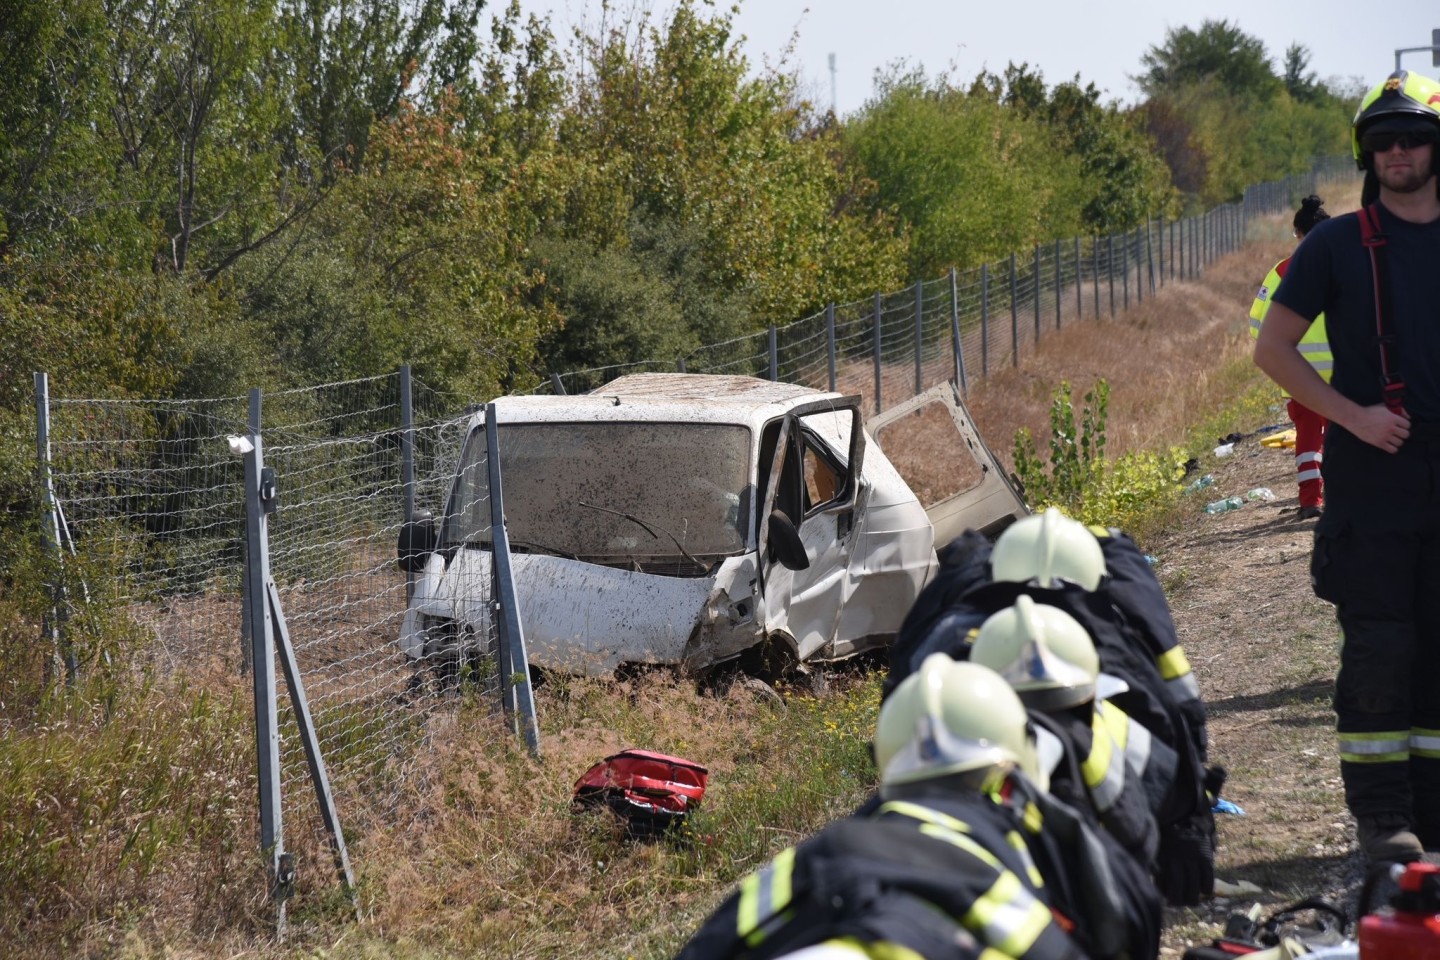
(1014, 316)
(517, 693)
(407, 464)
(1110, 269)
(1079, 288)
(1095, 273)
(61, 653)
(830, 342)
(267, 724)
(1035, 286)
(878, 406)
(984, 320)
(774, 355)
(919, 335)
(1057, 284)
(557, 384)
(1125, 270)
(955, 344)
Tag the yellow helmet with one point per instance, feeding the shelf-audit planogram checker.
(1402, 99)
(1048, 549)
(1042, 652)
(952, 717)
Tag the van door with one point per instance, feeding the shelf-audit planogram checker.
(934, 444)
(813, 481)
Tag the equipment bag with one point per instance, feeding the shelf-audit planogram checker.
(650, 792)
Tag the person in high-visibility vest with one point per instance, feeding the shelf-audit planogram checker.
(1314, 347)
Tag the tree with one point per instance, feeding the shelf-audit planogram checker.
(1218, 52)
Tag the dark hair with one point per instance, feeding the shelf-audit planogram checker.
(1311, 212)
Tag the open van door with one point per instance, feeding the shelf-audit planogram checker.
(933, 443)
(811, 464)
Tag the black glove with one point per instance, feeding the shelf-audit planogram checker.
(1214, 782)
(1186, 864)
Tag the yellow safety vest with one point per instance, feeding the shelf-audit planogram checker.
(1314, 346)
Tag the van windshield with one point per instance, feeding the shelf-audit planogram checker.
(568, 488)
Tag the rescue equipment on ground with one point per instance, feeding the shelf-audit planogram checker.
(650, 792)
(1285, 439)
(1409, 928)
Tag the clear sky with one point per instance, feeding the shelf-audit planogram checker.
(1102, 40)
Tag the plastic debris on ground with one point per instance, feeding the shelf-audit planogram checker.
(1229, 503)
(1225, 806)
(1200, 483)
(1260, 493)
(1225, 449)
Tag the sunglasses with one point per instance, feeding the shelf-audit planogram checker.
(1377, 141)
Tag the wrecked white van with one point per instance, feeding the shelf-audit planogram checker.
(690, 519)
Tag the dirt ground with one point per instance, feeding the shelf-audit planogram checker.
(1264, 650)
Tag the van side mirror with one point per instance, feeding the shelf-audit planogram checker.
(783, 542)
(417, 541)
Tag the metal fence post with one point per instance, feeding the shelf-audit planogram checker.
(1160, 249)
(262, 641)
(1095, 273)
(517, 692)
(830, 342)
(60, 651)
(919, 335)
(1110, 269)
(1057, 284)
(407, 463)
(1125, 270)
(774, 355)
(984, 320)
(1079, 288)
(1014, 316)
(1035, 287)
(557, 384)
(878, 407)
(955, 333)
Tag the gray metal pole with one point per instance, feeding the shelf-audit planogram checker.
(1079, 286)
(262, 638)
(407, 463)
(1057, 284)
(919, 337)
(557, 384)
(1035, 286)
(878, 391)
(1014, 316)
(955, 344)
(1125, 271)
(774, 356)
(1095, 273)
(1110, 269)
(1149, 258)
(514, 664)
(50, 531)
(984, 320)
(830, 341)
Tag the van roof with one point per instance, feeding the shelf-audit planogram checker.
(666, 397)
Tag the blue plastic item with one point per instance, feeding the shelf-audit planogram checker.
(1225, 806)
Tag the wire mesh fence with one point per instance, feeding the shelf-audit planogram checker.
(150, 496)
(967, 323)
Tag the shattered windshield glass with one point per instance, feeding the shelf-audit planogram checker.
(610, 490)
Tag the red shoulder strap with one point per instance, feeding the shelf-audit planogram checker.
(1392, 387)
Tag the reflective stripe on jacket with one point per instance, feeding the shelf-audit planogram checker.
(1314, 346)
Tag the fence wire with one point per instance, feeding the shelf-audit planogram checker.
(151, 497)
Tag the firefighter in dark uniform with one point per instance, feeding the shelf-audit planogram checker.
(1101, 579)
(1374, 276)
(1104, 759)
(954, 861)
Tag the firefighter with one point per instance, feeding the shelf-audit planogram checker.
(1372, 274)
(1105, 760)
(1098, 576)
(938, 870)
(1309, 425)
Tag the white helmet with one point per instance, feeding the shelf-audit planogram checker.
(1047, 550)
(952, 717)
(1042, 652)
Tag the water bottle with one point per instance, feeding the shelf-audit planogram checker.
(1229, 503)
(1200, 483)
(1260, 493)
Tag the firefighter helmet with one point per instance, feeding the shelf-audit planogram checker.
(952, 717)
(1046, 550)
(1403, 99)
(1042, 652)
